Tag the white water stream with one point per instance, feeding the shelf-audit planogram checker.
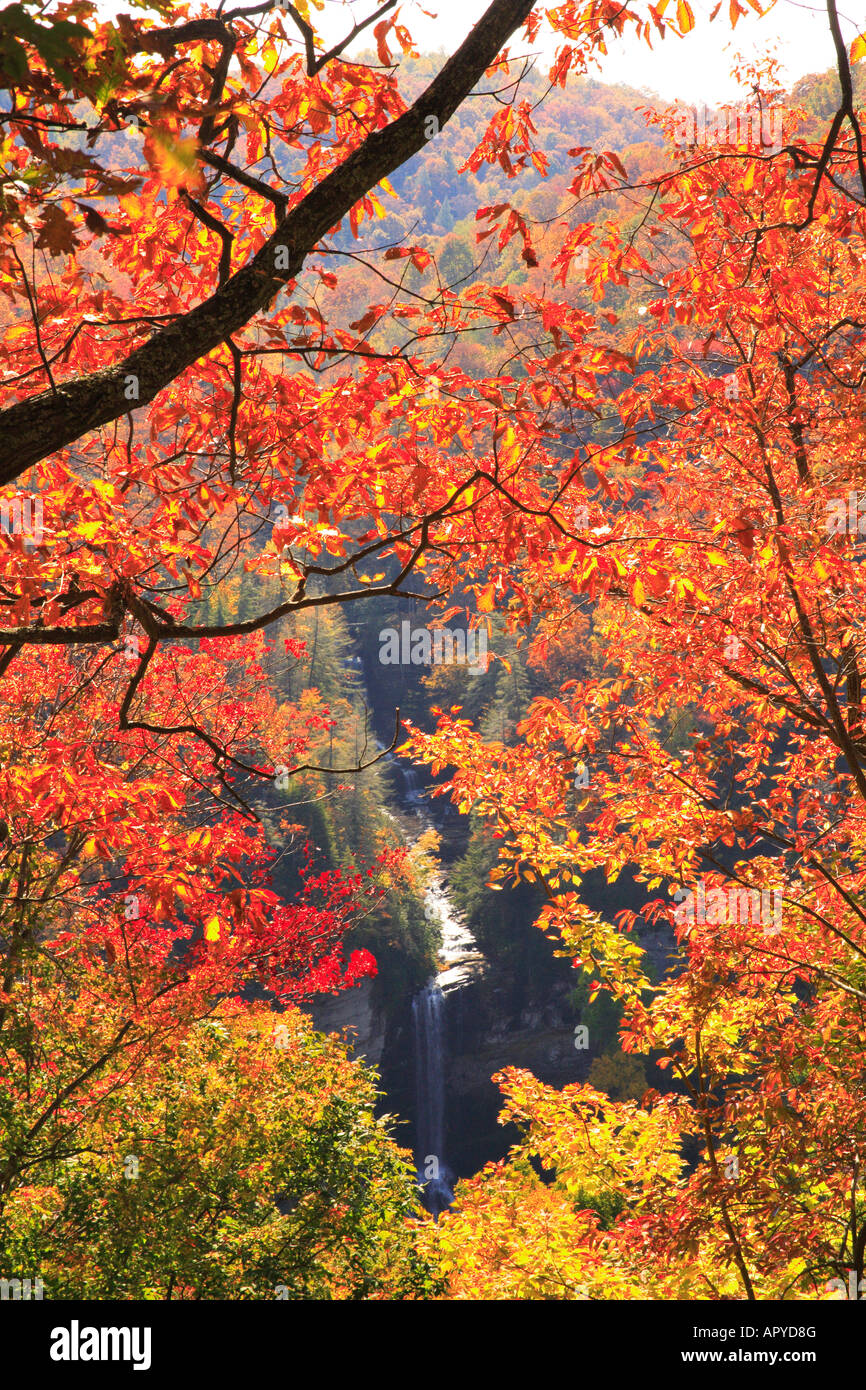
(460, 962)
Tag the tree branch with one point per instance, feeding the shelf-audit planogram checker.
(36, 427)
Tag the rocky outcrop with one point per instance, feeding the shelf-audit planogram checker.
(482, 1040)
(354, 1017)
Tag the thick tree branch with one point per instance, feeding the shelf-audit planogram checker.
(35, 428)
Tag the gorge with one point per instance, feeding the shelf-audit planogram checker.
(437, 1048)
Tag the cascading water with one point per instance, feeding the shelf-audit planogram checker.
(460, 963)
(410, 782)
(428, 1026)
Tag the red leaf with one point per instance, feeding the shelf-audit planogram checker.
(381, 47)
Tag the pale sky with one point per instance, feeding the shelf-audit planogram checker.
(695, 69)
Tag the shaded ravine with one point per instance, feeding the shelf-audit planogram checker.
(460, 964)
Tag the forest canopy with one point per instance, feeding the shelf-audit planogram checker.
(305, 341)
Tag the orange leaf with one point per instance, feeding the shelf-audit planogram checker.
(381, 47)
(485, 598)
(174, 161)
(685, 18)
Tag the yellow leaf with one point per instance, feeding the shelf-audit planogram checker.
(858, 48)
(685, 18)
(175, 161)
(509, 449)
(212, 929)
(564, 565)
(715, 557)
(639, 592)
(133, 207)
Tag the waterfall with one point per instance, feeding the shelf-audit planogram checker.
(460, 962)
(410, 782)
(428, 1027)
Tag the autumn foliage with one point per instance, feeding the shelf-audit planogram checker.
(196, 407)
(723, 737)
